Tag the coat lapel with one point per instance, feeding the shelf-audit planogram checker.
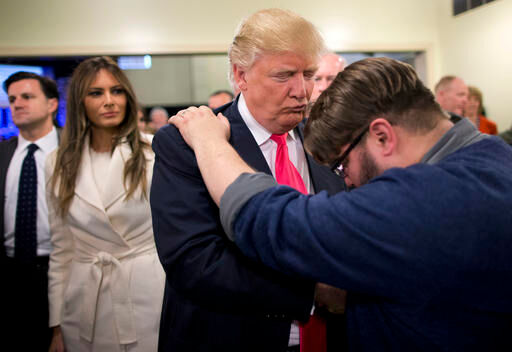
(114, 187)
(85, 186)
(87, 189)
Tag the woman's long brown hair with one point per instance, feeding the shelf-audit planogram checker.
(78, 127)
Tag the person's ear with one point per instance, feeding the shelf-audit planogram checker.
(440, 96)
(382, 136)
(53, 104)
(239, 75)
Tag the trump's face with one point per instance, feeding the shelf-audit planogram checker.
(277, 88)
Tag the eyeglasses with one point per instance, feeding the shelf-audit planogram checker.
(337, 165)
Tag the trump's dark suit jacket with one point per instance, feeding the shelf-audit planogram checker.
(215, 298)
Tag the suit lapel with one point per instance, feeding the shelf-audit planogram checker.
(243, 141)
(321, 177)
(312, 165)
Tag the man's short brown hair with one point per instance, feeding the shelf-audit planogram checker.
(366, 90)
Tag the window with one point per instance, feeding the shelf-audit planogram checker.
(460, 6)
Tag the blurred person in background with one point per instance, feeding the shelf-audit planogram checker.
(507, 136)
(143, 122)
(451, 93)
(219, 98)
(158, 118)
(474, 112)
(330, 65)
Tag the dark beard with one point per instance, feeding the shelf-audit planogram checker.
(369, 168)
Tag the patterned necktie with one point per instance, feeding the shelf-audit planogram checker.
(313, 334)
(25, 230)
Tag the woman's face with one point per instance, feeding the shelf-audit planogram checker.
(105, 101)
(472, 105)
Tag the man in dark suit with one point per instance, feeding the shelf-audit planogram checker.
(215, 299)
(24, 253)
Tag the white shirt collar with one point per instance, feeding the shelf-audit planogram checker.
(260, 133)
(47, 143)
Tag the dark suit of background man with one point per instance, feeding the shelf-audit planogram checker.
(33, 100)
(215, 299)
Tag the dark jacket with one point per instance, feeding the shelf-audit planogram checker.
(7, 149)
(215, 298)
(424, 251)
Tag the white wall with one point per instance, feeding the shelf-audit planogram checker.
(209, 74)
(166, 83)
(180, 79)
(477, 46)
(69, 27)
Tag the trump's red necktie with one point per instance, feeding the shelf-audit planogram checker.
(313, 333)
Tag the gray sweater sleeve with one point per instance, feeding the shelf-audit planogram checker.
(238, 193)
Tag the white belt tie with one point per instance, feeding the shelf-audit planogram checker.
(103, 265)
